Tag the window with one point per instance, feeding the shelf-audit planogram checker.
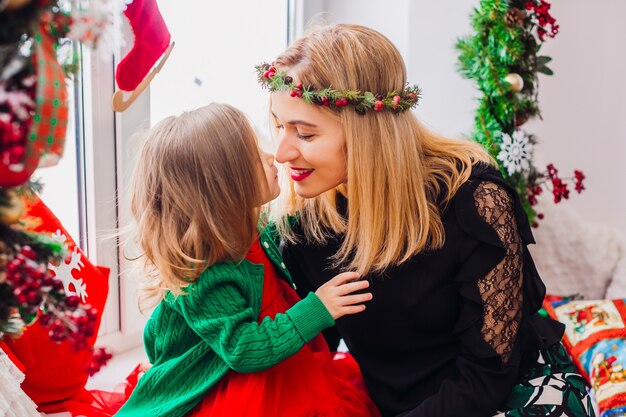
(217, 46)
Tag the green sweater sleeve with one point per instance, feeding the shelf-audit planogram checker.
(149, 339)
(219, 309)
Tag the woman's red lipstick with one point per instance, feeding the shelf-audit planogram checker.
(298, 174)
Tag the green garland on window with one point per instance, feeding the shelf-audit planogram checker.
(502, 57)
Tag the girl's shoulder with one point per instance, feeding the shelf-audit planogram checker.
(238, 276)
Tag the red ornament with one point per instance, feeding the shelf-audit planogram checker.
(546, 23)
(378, 106)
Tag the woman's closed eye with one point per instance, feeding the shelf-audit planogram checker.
(304, 137)
(299, 135)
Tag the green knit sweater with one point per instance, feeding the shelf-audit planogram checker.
(194, 339)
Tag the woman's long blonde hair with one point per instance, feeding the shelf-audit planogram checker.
(196, 192)
(399, 174)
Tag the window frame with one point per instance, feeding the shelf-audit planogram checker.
(110, 142)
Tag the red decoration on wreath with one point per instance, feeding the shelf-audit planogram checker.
(546, 24)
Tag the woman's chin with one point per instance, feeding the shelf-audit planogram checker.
(308, 190)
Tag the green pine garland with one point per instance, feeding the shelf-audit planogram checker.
(504, 43)
(395, 101)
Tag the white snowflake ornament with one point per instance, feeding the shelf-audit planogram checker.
(515, 152)
(64, 272)
(61, 240)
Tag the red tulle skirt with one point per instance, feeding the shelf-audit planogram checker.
(313, 382)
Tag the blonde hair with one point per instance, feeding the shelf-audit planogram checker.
(196, 191)
(400, 174)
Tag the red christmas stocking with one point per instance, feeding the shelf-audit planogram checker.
(151, 39)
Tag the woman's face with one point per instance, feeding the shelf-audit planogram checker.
(310, 143)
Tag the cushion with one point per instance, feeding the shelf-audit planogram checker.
(595, 338)
(575, 255)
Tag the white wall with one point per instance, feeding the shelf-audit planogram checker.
(583, 104)
(425, 34)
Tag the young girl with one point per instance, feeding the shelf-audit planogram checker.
(229, 336)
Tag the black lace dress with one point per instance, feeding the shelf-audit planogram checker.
(450, 332)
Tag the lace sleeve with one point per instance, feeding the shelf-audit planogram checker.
(501, 289)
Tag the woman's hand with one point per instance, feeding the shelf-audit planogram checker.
(337, 295)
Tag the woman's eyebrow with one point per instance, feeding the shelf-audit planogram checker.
(297, 122)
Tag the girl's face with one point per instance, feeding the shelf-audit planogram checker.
(310, 143)
(271, 175)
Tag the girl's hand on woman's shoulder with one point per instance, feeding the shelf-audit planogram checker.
(337, 294)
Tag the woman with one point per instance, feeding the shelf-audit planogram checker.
(452, 329)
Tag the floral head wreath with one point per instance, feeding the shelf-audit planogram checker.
(361, 101)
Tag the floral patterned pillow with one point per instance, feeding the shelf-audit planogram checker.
(595, 338)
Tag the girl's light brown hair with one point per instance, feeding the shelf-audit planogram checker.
(196, 192)
(399, 174)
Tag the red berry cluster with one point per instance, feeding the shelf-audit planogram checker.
(341, 102)
(77, 327)
(17, 104)
(579, 177)
(100, 358)
(35, 288)
(532, 191)
(271, 71)
(298, 91)
(546, 24)
(559, 186)
(30, 280)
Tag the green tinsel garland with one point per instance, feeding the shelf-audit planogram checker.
(503, 44)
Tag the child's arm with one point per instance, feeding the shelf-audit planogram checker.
(220, 313)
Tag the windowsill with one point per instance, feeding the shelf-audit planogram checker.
(117, 369)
